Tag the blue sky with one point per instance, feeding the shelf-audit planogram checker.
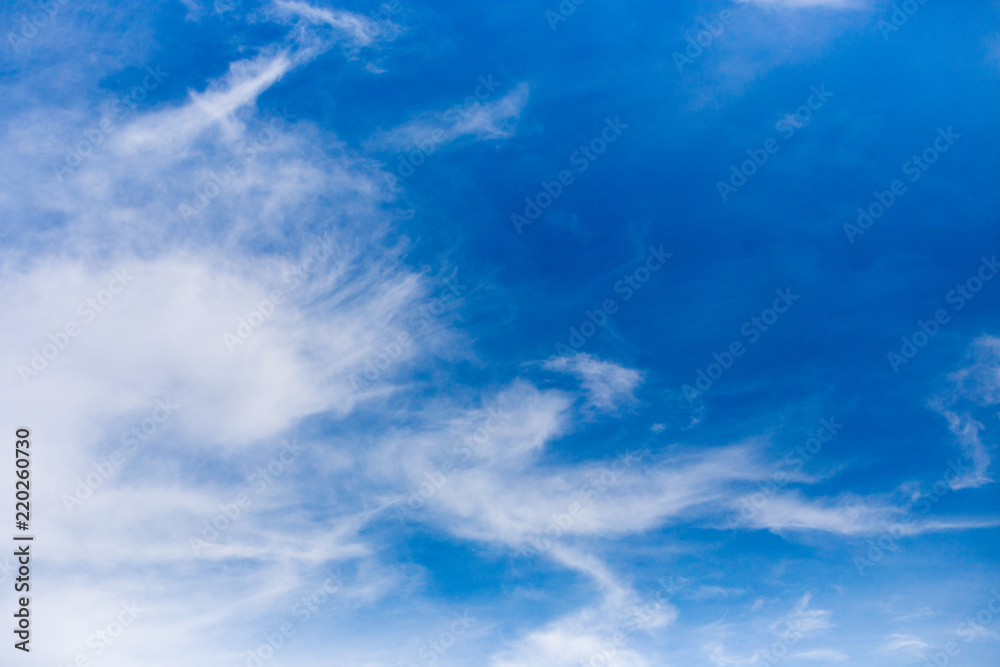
(526, 334)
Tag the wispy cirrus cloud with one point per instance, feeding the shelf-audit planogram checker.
(488, 120)
(970, 401)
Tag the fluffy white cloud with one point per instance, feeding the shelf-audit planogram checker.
(151, 299)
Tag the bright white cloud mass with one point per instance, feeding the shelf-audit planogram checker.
(288, 368)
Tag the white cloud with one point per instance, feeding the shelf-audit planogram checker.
(608, 385)
(487, 120)
(980, 382)
(765, 640)
(971, 389)
(359, 29)
(597, 634)
(805, 620)
(904, 646)
(848, 514)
